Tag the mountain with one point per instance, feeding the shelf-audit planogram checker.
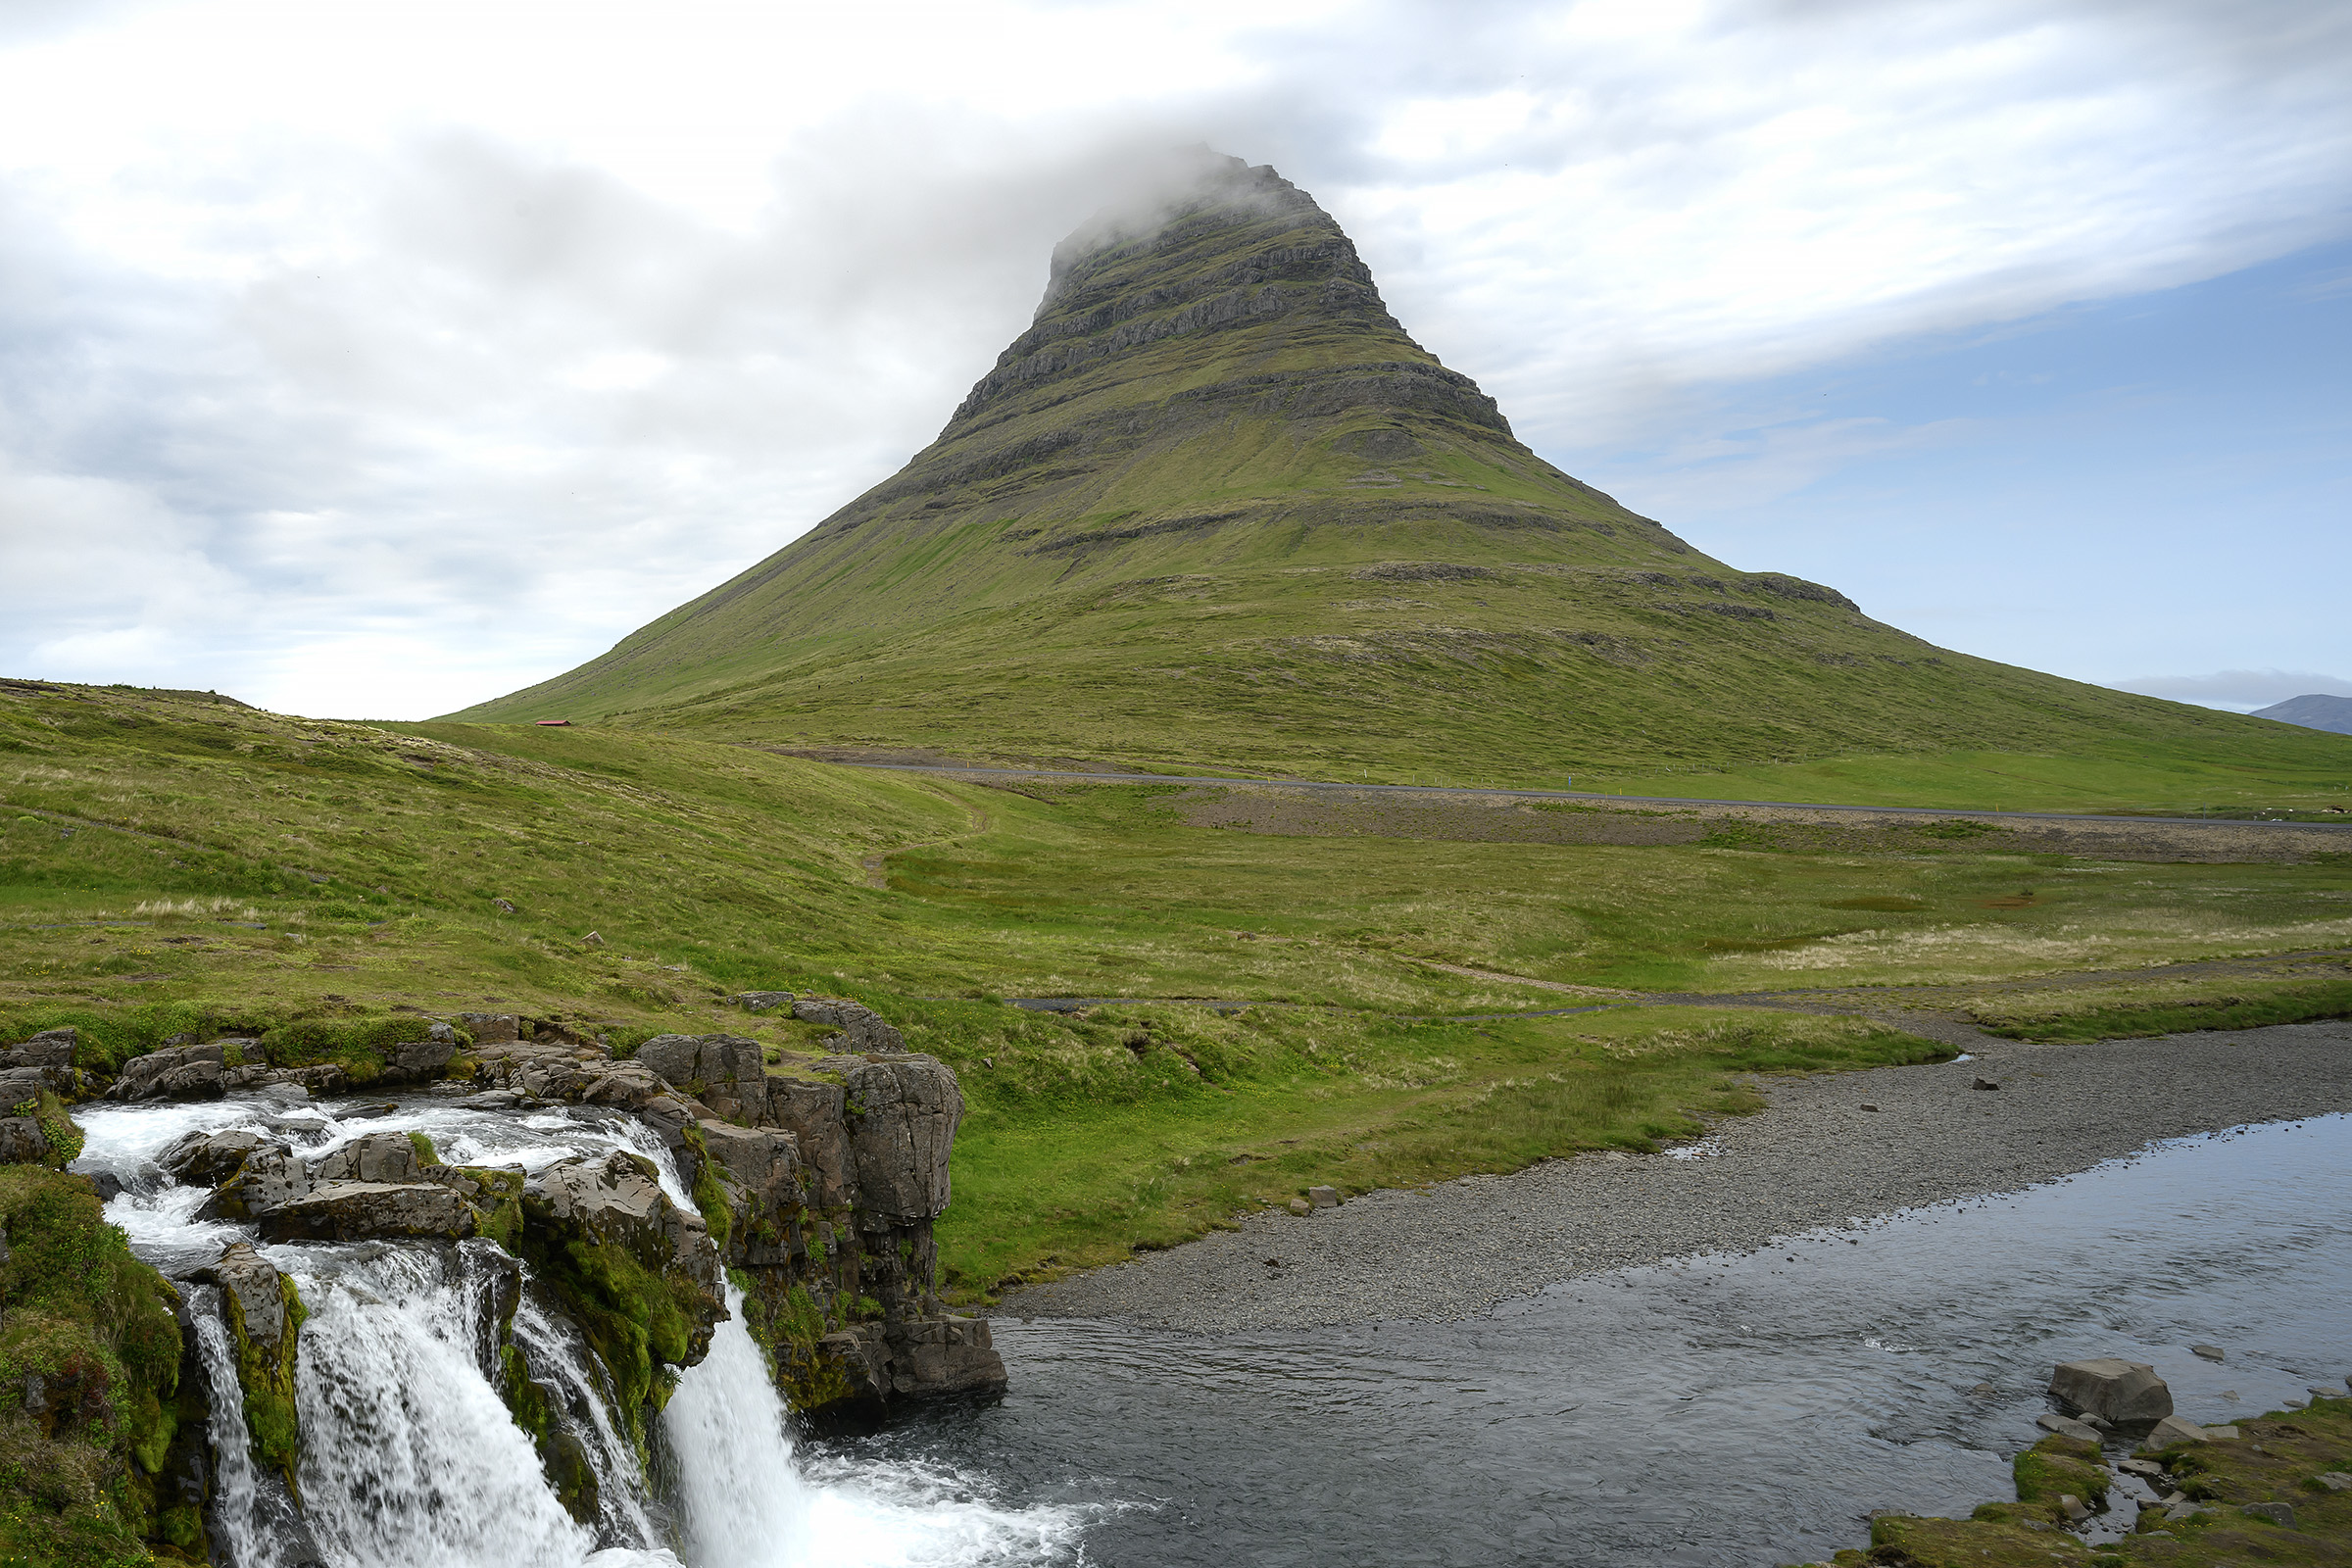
(2313, 710)
(1215, 508)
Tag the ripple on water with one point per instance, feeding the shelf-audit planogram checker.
(1717, 1410)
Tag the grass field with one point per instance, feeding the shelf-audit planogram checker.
(168, 866)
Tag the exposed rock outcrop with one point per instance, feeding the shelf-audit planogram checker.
(265, 1321)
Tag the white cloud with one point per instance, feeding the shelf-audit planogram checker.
(349, 334)
(2239, 690)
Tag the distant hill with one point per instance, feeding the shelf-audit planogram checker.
(2314, 711)
(1214, 509)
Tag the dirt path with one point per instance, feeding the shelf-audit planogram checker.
(1306, 807)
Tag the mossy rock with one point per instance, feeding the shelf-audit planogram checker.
(2057, 1466)
(267, 1375)
(89, 1365)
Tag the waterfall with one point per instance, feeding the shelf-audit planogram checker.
(410, 1460)
(743, 1502)
(746, 1502)
(557, 1358)
(251, 1516)
(409, 1457)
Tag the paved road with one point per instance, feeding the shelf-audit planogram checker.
(984, 773)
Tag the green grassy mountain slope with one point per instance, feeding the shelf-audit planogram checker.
(1216, 509)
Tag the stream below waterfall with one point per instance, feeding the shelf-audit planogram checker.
(1725, 1411)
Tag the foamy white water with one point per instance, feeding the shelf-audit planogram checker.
(747, 1504)
(410, 1460)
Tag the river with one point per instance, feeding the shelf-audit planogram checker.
(1726, 1410)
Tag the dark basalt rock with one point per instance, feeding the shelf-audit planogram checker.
(207, 1160)
(358, 1211)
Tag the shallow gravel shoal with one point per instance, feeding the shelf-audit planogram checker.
(1813, 1158)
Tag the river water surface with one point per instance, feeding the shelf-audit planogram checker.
(1723, 1410)
(1726, 1410)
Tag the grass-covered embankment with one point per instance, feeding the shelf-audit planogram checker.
(1137, 1127)
(89, 1364)
(2129, 1009)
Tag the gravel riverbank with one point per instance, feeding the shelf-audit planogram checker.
(1814, 1158)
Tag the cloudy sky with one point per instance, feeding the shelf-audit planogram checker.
(377, 357)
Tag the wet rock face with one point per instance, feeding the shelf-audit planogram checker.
(618, 1200)
(376, 1158)
(260, 1293)
(759, 1173)
(207, 1160)
(904, 1116)
(356, 1210)
(183, 1072)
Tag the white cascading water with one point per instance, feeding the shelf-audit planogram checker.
(411, 1459)
(249, 1518)
(743, 1502)
(556, 1356)
(747, 1504)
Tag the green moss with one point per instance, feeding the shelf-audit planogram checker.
(500, 1204)
(359, 1045)
(426, 1155)
(95, 1325)
(2058, 1465)
(58, 1129)
(633, 1318)
(267, 1379)
(709, 1194)
(566, 1467)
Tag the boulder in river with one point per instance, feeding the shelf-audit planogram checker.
(207, 1160)
(2172, 1430)
(2113, 1389)
(178, 1072)
(2066, 1426)
(354, 1210)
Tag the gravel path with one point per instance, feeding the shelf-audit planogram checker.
(1814, 1158)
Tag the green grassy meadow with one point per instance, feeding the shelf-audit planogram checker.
(169, 866)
